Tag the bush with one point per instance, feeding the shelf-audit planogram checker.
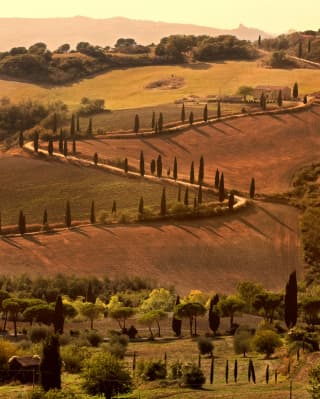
(152, 370)
(176, 370)
(205, 346)
(7, 350)
(242, 340)
(94, 338)
(266, 341)
(118, 345)
(38, 334)
(72, 358)
(192, 376)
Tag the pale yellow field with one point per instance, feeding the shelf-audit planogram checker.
(126, 88)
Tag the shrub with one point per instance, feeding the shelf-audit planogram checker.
(176, 370)
(314, 381)
(242, 340)
(152, 370)
(94, 338)
(266, 341)
(7, 350)
(24, 344)
(192, 376)
(205, 346)
(103, 217)
(73, 358)
(38, 334)
(118, 345)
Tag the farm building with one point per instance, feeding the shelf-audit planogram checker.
(24, 368)
(272, 92)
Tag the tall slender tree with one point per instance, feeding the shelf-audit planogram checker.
(259, 41)
(235, 371)
(221, 188)
(200, 195)
(205, 113)
(50, 366)
(92, 213)
(90, 128)
(95, 158)
(136, 127)
(291, 301)
(279, 100)
(22, 223)
(58, 316)
(163, 205)
(191, 118)
(65, 147)
(141, 207)
(61, 141)
(175, 168)
(114, 207)
(252, 188)
(217, 179)
(159, 166)
(36, 141)
(67, 216)
(142, 170)
(263, 101)
(183, 114)
(50, 146)
(186, 196)
(179, 193)
(309, 46)
(219, 109)
(72, 127)
(21, 139)
(55, 123)
(214, 316)
(45, 218)
(74, 146)
(153, 121)
(152, 166)
(126, 165)
(78, 123)
(192, 173)
(176, 323)
(160, 122)
(201, 171)
(295, 91)
(231, 201)
(212, 370)
(227, 372)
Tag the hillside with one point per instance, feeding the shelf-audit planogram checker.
(56, 31)
(262, 244)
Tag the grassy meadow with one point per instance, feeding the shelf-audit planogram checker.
(125, 88)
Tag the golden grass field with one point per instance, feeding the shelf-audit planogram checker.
(125, 88)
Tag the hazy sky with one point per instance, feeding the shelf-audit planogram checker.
(269, 15)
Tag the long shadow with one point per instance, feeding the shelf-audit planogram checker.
(33, 239)
(296, 117)
(183, 148)
(187, 231)
(212, 230)
(104, 228)
(155, 148)
(275, 218)
(232, 127)
(201, 66)
(80, 231)
(273, 116)
(219, 130)
(200, 131)
(10, 242)
(228, 227)
(253, 228)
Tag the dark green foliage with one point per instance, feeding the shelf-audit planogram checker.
(94, 338)
(279, 100)
(205, 113)
(235, 371)
(175, 169)
(227, 372)
(153, 122)
(219, 109)
(78, 123)
(55, 123)
(21, 139)
(126, 165)
(192, 173)
(221, 188)
(136, 127)
(92, 213)
(299, 53)
(195, 204)
(251, 372)
(159, 166)
(231, 201)
(114, 207)
(50, 146)
(65, 147)
(183, 114)
(252, 188)
(263, 102)
(305, 99)
(67, 217)
(186, 196)
(179, 193)
(267, 374)
(193, 377)
(74, 146)
(90, 128)
(45, 218)
(291, 301)
(214, 317)
(90, 295)
(163, 205)
(200, 195)
(61, 141)
(95, 158)
(72, 127)
(309, 46)
(242, 340)
(201, 171)
(217, 179)
(160, 122)
(36, 141)
(152, 370)
(191, 118)
(176, 323)
(152, 166)
(141, 207)
(295, 91)
(22, 223)
(259, 41)
(142, 170)
(205, 346)
(50, 366)
(58, 318)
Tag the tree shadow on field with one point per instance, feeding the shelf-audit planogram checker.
(212, 230)
(293, 115)
(80, 231)
(155, 148)
(275, 218)
(10, 242)
(253, 227)
(201, 66)
(170, 141)
(278, 118)
(179, 226)
(105, 228)
(34, 240)
(200, 131)
(213, 126)
(232, 127)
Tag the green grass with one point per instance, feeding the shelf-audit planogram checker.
(125, 88)
(33, 185)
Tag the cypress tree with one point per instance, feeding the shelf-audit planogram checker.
(126, 165)
(21, 139)
(74, 146)
(231, 201)
(160, 122)
(50, 366)
(214, 317)
(309, 46)
(251, 372)
(191, 118)
(259, 41)
(58, 317)
(279, 100)
(72, 127)
(153, 166)
(200, 195)
(175, 169)
(67, 216)
(227, 371)
(252, 188)
(295, 91)
(114, 207)
(65, 147)
(89, 130)
(235, 371)
(92, 213)
(201, 171)
(219, 109)
(153, 122)
(221, 188)
(186, 196)
(136, 127)
(291, 301)
(90, 297)
(50, 146)
(163, 205)
(61, 141)
(195, 205)
(263, 102)
(267, 374)
(183, 114)
(275, 376)
(36, 141)
(212, 370)
(217, 179)
(156, 130)
(142, 171)
(95, 158)
(55, 123)
(300, 50)
(192, 173)
(179, 193)
(22, 223)
(176, 323)
(45, 218)
(78, 123)
(141, 207)
(199, 361)
(305, 99)
(168, 172)
(159, 166)
(205, 113)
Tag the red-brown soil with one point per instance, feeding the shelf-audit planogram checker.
(270, 148)
(261, 243)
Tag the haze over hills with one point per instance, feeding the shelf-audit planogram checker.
(56, 31)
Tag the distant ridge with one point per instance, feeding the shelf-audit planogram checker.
(56, 31)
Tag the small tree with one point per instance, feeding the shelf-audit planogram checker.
(200, 195)
(67, 218)
(217, 179)
(126, 165)
(163, 205)
(201, 171)
(252, 188)
(104, 374)
(242, 340)
(295, 91)
(22, 223)
(50, 366)
(142, 170)
(192, 173)
(266, 341)
(175, 169)
(114, 207)
(219, 109)
(191, 118)
(231, 201)
(95, 158)
(186, 196)
(205, 346)
(141, 207)
(279, 100)
(230, 306)
(205, 113)
(160, 122)
(92, 213)
(65, 147)
(50, 146)
(193, 377)
(159, 166)
(21, 139)
(36, 141)
(153, 121)
(136, 124)
(221, 188)
(90, 129)
(183, 114)
(176, 322)
(152, 166)
(58, 317)
(91, 311)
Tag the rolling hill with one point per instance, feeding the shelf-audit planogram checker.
(56, 31)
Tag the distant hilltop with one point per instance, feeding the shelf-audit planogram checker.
(56, 31)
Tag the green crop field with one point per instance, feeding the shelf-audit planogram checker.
(125, 88)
